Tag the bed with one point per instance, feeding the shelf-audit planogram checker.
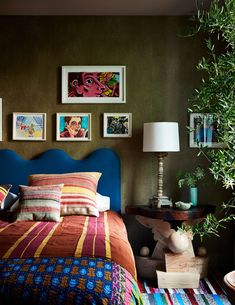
(79, 257)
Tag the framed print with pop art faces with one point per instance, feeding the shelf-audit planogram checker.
(73, 126)
(93, 84)
(29, 126)
(117, 125)
(203, 131)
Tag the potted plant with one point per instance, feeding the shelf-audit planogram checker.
(190, 180)
(216, 95)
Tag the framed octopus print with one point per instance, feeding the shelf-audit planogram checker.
(93, 84)
(73, 126)
(29, 126)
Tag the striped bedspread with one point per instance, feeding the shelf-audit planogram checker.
(65, 258)
(104, 236)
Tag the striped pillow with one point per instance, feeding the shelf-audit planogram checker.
(78, 194)
(4, 189)
(39, 202)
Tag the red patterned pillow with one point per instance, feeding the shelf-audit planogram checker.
(4, 189)
(78, 194)
(39, 202)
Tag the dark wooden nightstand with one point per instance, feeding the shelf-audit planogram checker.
(172, 215)
(180, 269)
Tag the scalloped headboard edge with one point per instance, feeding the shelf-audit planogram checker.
(15, 170)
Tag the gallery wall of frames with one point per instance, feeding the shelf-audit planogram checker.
(80, 85)
(97, 85)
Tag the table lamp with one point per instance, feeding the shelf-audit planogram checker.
(161, 138)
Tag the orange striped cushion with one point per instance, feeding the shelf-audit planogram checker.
(39, 202)
(78, 194)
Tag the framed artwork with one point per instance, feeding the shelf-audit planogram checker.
(0, 119)
(73, 126)
(117, 125)
(29, 126)
(93, 84)
(203, 131)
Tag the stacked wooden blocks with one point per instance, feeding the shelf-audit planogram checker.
(182, 270)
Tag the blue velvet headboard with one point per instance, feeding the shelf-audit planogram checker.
(15, 170)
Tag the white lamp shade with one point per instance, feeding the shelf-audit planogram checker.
(161, 137)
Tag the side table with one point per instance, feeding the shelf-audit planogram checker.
(161, 220)
(182, 269)
(172, 215)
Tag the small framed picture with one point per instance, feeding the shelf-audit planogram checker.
(0, 119)
(93, 84)
(117, 125)
(29, 126)
(203, 131)
(73, 126)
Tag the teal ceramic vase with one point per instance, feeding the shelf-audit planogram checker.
(193, 195)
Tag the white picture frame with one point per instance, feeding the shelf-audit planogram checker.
(117, 125)
(73, 126)
(93, 84)
(203, 131)
(29, 126)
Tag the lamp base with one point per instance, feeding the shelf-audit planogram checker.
(158, 202)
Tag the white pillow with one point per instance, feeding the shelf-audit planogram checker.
(103, 202)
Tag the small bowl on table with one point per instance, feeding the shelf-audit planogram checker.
(183, 205)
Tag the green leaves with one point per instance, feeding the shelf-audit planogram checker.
(209, 226)
(216, 95)
(190, 179)
(219, 20)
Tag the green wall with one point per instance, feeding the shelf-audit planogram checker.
(161, 76)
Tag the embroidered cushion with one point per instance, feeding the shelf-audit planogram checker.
(78, 194)
(39, 202)
(4, 189)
